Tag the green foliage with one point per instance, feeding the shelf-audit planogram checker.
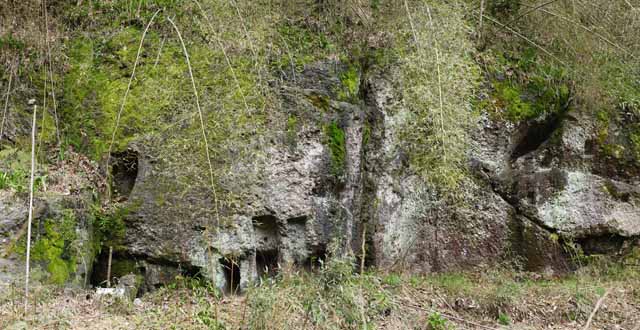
(502, 8)
(335, 140)
(437, 322)
(207, 318)
(516, 109)
(292, 130)
(109, 224)
(350, 80)
(15, 169)
(10, 42)
(439, 77)
(525, 89)
(619, 78)
(454, 283)
(504, 319)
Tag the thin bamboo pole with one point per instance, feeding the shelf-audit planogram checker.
(33, 169)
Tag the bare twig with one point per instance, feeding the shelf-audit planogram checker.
(481, 19)
(124, 98)
(109, 267)
(595, 309)
(582, 26)
(518, 34)
(531, 11)
(33, 169)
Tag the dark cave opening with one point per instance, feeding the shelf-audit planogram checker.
(267, 263)
(534, 135)
(124, 172)
(231, 272)
(121, 265)
(605, 244)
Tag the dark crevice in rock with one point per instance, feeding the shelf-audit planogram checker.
(153, 272)
(265, 228)
(298, 220)
(124, 173)
(513, 202)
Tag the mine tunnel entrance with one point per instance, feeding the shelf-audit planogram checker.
(124, 173)
(231, 271)
(267, 263)
(316, 259)
(121, 265)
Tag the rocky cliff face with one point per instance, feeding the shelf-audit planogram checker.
(327, 171)
(533, 185)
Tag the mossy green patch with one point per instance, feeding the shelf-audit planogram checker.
(350, 80)
(336, 142)
(55, 247)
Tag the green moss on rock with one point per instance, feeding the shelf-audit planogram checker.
(336, 142)
(55, 247)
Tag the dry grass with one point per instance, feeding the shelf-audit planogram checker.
(323, 301)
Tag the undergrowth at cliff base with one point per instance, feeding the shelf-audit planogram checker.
(335, 297)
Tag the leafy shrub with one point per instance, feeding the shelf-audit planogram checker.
(437, 322)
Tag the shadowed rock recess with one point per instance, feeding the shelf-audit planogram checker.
(323, 173)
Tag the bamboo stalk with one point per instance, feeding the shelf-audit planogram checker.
(6, 104)
(202, 125)
(33, 169)
(50, 71)
(481, 19)
(364, 249)
(204, 137)
(109, 267)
